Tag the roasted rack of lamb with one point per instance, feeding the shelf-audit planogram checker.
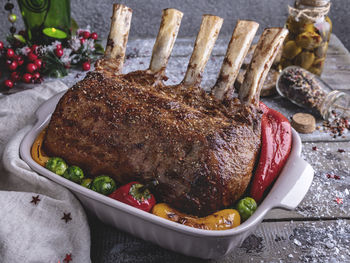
(200, 147)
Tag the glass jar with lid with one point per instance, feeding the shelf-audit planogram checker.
(309, 33)
(309, 91)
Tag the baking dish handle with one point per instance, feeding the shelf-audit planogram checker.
(293, 188)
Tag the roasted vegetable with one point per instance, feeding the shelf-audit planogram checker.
(221, 220)
(56, 165)
(246, 207)
(37, 153)
(103, 184)
(87, 182)
(74, 174)
(136, 195)
(276, 144)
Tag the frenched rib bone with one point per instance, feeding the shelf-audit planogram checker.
(206, 38)
(169, 27)
(113, 59)
(263, 57)
(238, 47)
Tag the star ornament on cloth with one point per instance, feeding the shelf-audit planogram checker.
(339, 200)
(68, 258)
(66, 217)
(35, 200)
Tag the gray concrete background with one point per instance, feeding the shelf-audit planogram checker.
(147, 14)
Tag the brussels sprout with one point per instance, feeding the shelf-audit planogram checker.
(74, 174)
(86, 183)
(290, 50)
(309, 40)
(103, 184)
(246, 207)
(305, 59)
(56, 165)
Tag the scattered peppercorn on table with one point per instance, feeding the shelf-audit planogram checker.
(318, 230)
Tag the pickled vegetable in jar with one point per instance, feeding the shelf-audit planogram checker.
(309, 91)
(309, 33)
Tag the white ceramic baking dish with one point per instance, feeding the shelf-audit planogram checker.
(287, 192)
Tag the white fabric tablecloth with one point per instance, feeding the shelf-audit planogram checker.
(35, 231)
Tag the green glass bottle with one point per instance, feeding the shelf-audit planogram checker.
(46, 20)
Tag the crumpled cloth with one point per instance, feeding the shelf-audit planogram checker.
(35, 232)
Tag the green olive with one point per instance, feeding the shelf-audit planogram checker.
(305, 59)
(103, 184)
(56, 165)
(309, 40)
(291, 50)
(74, 174)
(86, 183)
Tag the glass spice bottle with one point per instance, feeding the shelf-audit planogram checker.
(309, 91)
(309, 33)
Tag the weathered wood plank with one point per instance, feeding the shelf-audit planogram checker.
(320, 201)
(310, 241)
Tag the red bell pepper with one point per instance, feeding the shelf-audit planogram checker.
(276, 144)
(136, 195)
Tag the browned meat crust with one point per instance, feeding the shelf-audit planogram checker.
(201, 152)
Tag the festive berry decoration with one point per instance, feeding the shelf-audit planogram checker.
(94, 36)
(86, 66)
(36, 76)
(13, 29)
(82, 41)
(20, 60)
(13, 66)
(59, 52)
(1, 45)
(12, 18)
(10, 53)
(38, 63)
(27, 78)
(8, 62)
(8, 83)
(9, 6)
(32, 57)
(86, 34)
(15, 76)
(59, 46)
(34, 49)
(68, 258)
(31, 68)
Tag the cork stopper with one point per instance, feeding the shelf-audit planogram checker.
(303, 122)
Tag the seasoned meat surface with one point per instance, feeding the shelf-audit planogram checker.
(201, 152)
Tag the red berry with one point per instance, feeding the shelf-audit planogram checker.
(82, 41)
(36, 75)
(38, 63)
(1, 45)
(94, 36)
(8, 83)
(86, 66)
(8, 62)
(15, 76)
(86, 34)
(20, 60)
(59, 52)
(32, 56)
(34, 48)
(59, 46)
(10, 53)
(31, 68)
(27, 78)
(13, 66)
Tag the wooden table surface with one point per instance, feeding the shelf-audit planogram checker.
(317, 231)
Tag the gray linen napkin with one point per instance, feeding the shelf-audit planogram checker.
(40, 220)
